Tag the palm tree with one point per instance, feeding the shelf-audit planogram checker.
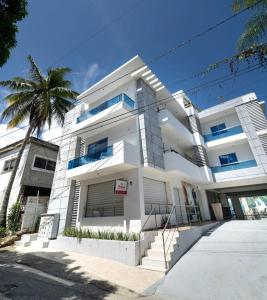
(256, 27)
(37, 99)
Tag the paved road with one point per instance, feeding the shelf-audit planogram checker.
(28, 277)
(229, 263)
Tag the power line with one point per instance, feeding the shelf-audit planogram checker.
(161, 101)
(125, 116)
(171, 50)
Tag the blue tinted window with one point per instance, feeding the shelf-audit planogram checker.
(96, 149)
(218, 129)
(228, 158)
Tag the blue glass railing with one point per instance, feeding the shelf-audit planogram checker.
(234, 166)
(90, 158)
(122, 97)
(222, 133)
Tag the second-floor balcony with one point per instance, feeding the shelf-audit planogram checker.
(234, 166)
(178, 164)
(114, 158)
(110, 109)
(223, 133)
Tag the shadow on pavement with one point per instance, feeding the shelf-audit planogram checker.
(17, 281)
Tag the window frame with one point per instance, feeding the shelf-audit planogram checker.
(40, 169)
(233, 154)
(5, 163)
(219, 131)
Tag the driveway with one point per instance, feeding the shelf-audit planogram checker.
(228, 263)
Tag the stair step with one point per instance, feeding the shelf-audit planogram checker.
(170, 239)
(22, 243)
(40, 243)
(157, 253)
(29, 237)
(153, 262)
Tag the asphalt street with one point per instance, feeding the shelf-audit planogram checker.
(28, 277)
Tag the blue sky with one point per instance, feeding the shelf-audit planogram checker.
(55, 27)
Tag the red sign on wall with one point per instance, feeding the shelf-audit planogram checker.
(121, 187)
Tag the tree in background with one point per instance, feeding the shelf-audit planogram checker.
(11, 11)
(37, 99)
(256, 27)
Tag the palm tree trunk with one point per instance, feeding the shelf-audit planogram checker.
(3, 212)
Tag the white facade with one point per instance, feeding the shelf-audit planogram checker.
(129, 127)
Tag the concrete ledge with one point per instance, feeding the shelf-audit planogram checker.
(187, 239)
(126, 252)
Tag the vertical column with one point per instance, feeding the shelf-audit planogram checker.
(205, 205)
(237, 207)
(252, 120)
(62, 193)
(150, 132)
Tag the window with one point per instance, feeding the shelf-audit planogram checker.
(218, 129)
(45, 164)
(227, 159)
(9, 165)
(96, 149)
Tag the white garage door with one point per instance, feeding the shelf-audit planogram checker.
(154, 194)
(102, 202)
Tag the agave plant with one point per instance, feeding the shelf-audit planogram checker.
(37, 99)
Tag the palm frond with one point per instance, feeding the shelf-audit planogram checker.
(34, 72)
(253, 4)
(18, 84)
(63, 92)
(255, 31)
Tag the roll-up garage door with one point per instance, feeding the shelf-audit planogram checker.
(154, 193)
(102, 202)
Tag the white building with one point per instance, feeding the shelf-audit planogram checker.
(35, 172)
(129, 127)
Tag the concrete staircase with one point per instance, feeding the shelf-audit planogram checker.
(33, 241)
(154, 258)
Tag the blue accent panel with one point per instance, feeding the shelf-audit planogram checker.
(128, 101)
(234, 166)
(89, 158)
(222, 133)
(122, 97)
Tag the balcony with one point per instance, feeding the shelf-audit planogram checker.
(234, 166)
(226, 132)
(115, 158)
(177, 164)
(171, 126)
(111, 108)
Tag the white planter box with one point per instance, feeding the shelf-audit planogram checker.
(126, 252)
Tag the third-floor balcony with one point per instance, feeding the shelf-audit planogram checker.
(111, 109)
(223, 133)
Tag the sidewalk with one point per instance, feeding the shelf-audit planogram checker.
(132, 278)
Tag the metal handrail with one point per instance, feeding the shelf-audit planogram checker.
(163, 239)
(140, 232)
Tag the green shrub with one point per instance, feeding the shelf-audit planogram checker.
(3, 232)
(13, 223)
(104, 234)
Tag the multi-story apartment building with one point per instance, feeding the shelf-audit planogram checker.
(35, 172)
(130, 146)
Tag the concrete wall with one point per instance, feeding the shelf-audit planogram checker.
(4, 176)
(40, 178)
(121, 251)
(187, 239)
